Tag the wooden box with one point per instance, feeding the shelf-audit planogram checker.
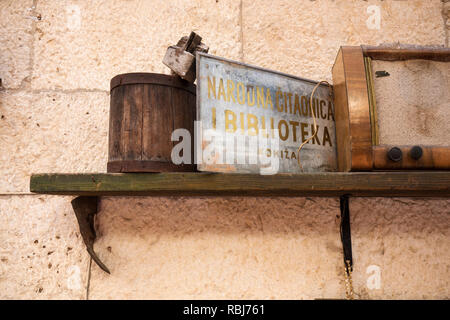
(392, 108)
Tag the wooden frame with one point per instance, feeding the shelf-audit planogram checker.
(356, 115)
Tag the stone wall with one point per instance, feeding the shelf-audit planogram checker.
(56, 61)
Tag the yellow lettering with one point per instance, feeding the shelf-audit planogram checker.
(290, 102)
(260, 96)
(230, 90)
(330, 111)
(322, 103)
(252, 123)
(272, 128)
(312, 109)
(211, 87)
(229, 121)
(304, 106)
(315, 106)
(285, 136)
(222, 90)
(250, 102)
(297, 105)
(269, 99)
(240, 90)
(294, 125)
(315, 139)
(326, 137)
(303, 127)
(285, 102)
(263, 126)
(277, 101)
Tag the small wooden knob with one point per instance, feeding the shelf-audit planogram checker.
(416, 152)
(395, 154)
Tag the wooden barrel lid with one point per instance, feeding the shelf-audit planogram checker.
(152, 78)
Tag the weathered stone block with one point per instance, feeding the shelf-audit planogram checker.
(407, 240)
(85, 44)
(218, 248)
(303, 37)
(42, 255)
(16, 42)
(51, 132)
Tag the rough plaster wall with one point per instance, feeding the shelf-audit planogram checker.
(56, 66)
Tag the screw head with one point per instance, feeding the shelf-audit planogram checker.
(395, 154)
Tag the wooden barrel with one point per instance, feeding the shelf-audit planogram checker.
(145, 109)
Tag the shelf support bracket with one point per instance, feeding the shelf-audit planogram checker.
(346, 238)
(85, 209)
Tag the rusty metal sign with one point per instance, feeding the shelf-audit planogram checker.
(252, 120)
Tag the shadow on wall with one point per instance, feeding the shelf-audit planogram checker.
(229, 215)
(255, 247)
(286, 215)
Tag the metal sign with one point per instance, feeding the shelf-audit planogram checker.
(252, 120)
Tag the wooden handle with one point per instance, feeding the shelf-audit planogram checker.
(394, 54)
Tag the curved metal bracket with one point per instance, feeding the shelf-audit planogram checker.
(346, 236)
(85, 209)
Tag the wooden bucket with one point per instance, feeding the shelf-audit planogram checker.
(145, 109)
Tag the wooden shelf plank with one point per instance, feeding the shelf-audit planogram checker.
(386, 184)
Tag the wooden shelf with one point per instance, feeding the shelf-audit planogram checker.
(383, 184)
(90, 186)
